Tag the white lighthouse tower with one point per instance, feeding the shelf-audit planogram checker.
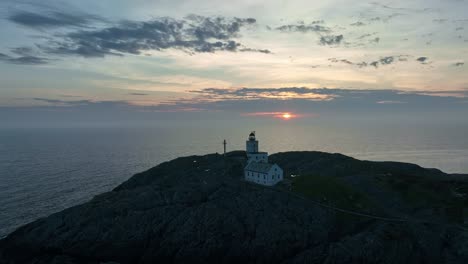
(258, 169)
(252, 150)
(252, 143)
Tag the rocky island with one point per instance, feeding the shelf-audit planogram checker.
(329, 208)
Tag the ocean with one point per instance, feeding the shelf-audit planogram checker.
(45, 170)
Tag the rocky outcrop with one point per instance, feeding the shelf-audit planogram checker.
(197, 210)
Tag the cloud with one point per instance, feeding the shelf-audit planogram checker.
(286, 93)
(335, 60)
(24, 60)
(85, 103)
(406, 9)
(271, 101)
(375, 64)
(391, 102)
(422, 60)
(57, 102)
(266, 51)
(23, 51)
(387, 60)
(313, 27)
(52, 19)
(303, 99)
(458, 64)
(375, 40)
(358, 24)
(456, 94)
(138, 94)
(367, 35)
(331, 40)
(193, 34)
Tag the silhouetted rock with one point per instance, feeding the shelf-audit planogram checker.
(199, 210)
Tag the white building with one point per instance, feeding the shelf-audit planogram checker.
(263, 173)
(258, 169)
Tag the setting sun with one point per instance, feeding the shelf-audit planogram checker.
(286, 116)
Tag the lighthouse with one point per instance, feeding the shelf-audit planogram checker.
(252, 143)
(251, 149)
(258, 170)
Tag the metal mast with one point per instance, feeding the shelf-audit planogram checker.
(224, 143)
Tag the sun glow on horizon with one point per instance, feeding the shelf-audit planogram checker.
(286, 116)
(280, 115)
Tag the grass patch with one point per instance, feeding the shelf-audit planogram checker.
(421, 193)
(331, 191)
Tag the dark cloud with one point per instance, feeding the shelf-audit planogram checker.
(317, 22)
(379, 19)
(366, 35)
(375, 64)
(52, 19)
(213, 94)
(313, 27)
(83, 104)
(375, 40)
(422, 59)
(193, 34)
(139, 94)
(331, 40)
(387, 60)
(459, 28)
(406, 9)
(23, 51)
(362, 64)
(58, 102)
(335, 60)
(266, 51)
(25, 60)
(458, 64)
(358, 24)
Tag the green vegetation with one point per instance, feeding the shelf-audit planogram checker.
(447, 199)
(332, 191)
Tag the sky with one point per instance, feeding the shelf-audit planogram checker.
(243, 58)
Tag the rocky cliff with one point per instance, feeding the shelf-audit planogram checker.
(198, 209)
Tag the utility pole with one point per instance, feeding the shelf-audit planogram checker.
(224, 143)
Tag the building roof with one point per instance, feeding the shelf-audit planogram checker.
(259, 167)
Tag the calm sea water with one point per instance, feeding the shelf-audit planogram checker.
(45, 170)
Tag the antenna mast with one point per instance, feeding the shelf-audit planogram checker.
(224, 143)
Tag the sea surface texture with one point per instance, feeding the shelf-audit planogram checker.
(45, 170)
